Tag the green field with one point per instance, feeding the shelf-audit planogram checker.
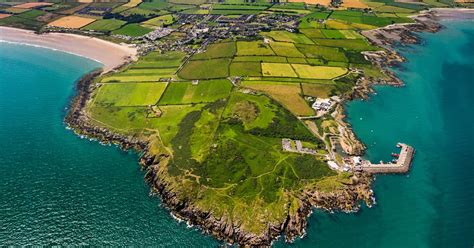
(217, 50)
(285, 49)
(253, 48)
(105, 25)
(348, 44)
(278, 70)
(322, 52)
(286, 36)
(129, 94)
(205, 69)
(159, 21)
(274, 59)
(318, 72)
(158, 60)
(133, 30)
(244, 69)
(204, 91)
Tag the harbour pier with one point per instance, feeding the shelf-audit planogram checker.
(400, 165)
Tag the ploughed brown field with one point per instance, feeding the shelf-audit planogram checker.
(71, 22)
(32, 5)
(354, 4)
(322, 2)
(4, 15)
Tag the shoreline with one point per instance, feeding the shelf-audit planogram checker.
(110, 55)
(295, 224)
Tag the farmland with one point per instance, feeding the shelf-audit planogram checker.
(216, 88)
(133, 30)
(105, 25)
(71, 22)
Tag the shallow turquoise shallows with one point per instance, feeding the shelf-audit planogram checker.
(56, 188)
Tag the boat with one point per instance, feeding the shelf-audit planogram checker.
(395, 155)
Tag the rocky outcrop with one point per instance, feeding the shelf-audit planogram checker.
(345, 199)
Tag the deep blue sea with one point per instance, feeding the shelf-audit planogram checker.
(58, 189)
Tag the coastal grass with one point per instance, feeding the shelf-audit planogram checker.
(203, 92)
(277, 70)
(129, 94)
(243, 106)
(287, 94)
(205, 69)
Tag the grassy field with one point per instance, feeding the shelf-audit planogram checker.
(348, 44)
(133, 30)
(105, 25)
(287, 94)
(271, 59)
(318, 72)
(253, 48)
(286, 36)
(244, 69)
(205, 69)
(285, 49)
(277, 70)
(317, 90)
(322, 52)
(255, 111)
(129, 94)
(205, 91)
(217, 50)
(157, 60)
(159, 21)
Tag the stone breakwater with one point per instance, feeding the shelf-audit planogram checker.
(345, 199)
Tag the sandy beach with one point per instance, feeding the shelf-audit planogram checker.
(111, 55)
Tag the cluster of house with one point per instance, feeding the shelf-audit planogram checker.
(159, 33)
(296, 146)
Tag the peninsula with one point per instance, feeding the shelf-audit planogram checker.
(236, 106)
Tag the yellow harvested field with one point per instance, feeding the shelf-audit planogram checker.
(322, 2)
(278, 70)
(317, 90)
(71, 22)
(4, 15)
(132, 3)
(318, 72)
(287, 94)
(32, 5)
(354, 4)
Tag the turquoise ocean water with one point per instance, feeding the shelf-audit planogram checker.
(56, 188)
